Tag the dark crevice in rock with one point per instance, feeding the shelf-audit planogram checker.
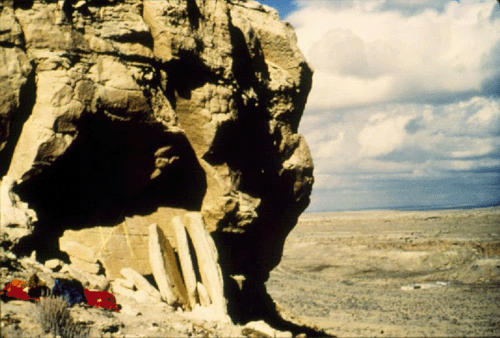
(44, 240)
(300, 101)
(245, 66)
(104, 3)
(194, 259)
(185, 74)
(9, 263)
(194, 13)
(27, 99)
(279, 212)
(129, 58)
(151, 279)
(245, 302)
(143, 38)
(68, 10)
(23, 4)
(244, 255)
(7, 44)
(248, 148)
(86, 13)
(105, 175)
(247, 145)
(253, 152)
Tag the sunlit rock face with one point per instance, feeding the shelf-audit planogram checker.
(118, 114)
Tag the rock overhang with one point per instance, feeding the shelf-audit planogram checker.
(138, 112)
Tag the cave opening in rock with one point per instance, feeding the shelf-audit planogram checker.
(112, 170)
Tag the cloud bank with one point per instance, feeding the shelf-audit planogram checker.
(405, 105)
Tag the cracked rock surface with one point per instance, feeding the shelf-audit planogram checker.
(116, 114)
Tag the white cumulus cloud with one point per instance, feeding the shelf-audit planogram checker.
(405, 104)
(363, 54)
(383, 137)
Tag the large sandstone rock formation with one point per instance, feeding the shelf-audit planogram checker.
(116, 114)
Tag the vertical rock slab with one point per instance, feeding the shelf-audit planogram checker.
(158, 266)
(185, 259)
(203, 295)
(166, 268)
(207, 256)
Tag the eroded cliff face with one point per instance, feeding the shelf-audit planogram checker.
(118, 114)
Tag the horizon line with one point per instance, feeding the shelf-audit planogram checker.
(409, 208)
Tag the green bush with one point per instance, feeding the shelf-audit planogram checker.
(55, 317)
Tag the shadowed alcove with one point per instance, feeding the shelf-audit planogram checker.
(112, 169)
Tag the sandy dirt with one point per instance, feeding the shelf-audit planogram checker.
(391, 273)
(353, 274)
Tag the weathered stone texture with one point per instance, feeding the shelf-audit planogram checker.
(208, 259)
(166, 269)
(185, 259)
(118, 114)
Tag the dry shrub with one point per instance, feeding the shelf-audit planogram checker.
(55, 317)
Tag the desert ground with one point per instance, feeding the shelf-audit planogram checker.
(393, 273)
(351, 274)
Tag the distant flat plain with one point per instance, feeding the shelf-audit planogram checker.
(393, 273)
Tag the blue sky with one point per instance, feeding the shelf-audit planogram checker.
(284, 7)
(405, 106)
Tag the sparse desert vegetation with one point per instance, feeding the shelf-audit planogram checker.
(54, 316)
(391, 273)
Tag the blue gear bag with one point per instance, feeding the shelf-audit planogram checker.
(70, 289)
